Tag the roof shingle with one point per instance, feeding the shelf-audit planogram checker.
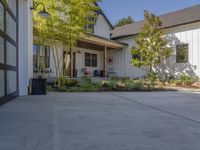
(180, 17)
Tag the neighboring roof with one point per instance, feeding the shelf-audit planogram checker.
(176, 18)
(102, 13)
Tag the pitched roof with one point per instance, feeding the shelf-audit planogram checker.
(103, 14)
(180, 17)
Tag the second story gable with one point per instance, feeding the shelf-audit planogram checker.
(103, 27)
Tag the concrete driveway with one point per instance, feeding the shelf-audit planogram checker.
(102, 121)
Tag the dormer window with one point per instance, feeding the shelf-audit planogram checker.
(90, 27)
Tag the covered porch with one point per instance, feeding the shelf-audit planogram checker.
(90, 58)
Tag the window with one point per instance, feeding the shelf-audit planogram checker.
(11, 82)
(12, 5)
(11, 27)
(2, 87)
(8, 49)
(90, 26)
(11, 54)
(94, 60)
(35, 57)
(182, 53)
(134, 56)
(87, 60)
(1, 50)
(41, 56)
(47, 56)
(90, 60)
(1, 17)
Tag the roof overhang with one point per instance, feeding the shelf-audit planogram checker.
(99, 43)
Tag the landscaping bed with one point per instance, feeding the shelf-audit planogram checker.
(123, 85)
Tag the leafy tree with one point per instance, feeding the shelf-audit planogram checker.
(152, 44)
(65, 26)
(124, 21)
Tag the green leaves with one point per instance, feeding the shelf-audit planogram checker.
(124, 21)
(67, 21)
(151, 43)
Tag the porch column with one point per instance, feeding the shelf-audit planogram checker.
(105, 61)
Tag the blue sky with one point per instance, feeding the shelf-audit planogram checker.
(117, 9)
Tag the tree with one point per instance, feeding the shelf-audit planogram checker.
(65, 26)
(151, 44)
(124, 21)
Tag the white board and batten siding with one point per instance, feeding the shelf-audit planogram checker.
(185, 34)
(102, 27)
(80, 60)
(122, 60)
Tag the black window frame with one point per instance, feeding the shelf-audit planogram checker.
(92, 61)
(179, 49)
(3, 66)
(90, 27)
(45, 56)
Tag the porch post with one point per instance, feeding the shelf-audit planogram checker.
(105, 61)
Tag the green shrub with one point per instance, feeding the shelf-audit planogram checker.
(188, 80)
(86, 79)
(71, 82)
(129, 86)
(115, 78)
(85, 87)
(135, 85)
(112, 84)
(174, 82)
(50, 89)
(152, 77)
(62, 89)
(105, 85)
(63, 81)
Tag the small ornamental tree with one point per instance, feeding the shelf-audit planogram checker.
(66, 25)
(151, 44)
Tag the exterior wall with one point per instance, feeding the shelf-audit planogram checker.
(119, 63)
(25, 45)
(187, 34)
(80, 61)
(122, 60)
(102, 27)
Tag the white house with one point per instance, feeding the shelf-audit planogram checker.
(90, 54)
(106, 50)
(182, 28)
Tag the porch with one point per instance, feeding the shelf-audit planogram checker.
(91, 58)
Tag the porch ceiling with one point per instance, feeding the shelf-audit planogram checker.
(99, 43)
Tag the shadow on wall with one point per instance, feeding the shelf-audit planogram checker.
(170, 67)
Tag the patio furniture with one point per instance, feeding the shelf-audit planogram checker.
(97, 73)
(86, 72)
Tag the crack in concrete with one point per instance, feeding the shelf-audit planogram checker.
(157, 109)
